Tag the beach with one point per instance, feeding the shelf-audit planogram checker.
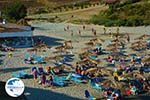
(53, 34)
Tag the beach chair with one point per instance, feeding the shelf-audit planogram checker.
(76, 80)
(67, 59)
(93, 58)
(27, 56)
(59, 82)
(95, 85)
(38, 60)
(20, 74)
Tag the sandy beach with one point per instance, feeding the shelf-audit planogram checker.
(54, 35)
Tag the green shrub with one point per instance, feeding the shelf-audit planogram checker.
(15, 11)
(124, 15)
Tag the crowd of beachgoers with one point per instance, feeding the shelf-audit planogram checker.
(113, 64)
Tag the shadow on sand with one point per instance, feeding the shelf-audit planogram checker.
(23, 43)
(40, 94)
(7, 70)
(51, 41)
(145, 97)
(35, 94)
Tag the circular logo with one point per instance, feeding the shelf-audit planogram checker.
(14, 87)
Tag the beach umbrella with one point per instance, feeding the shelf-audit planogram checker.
(59, 47)
(117, 44)
(133, 75)
(146, 60)
(139, 43)
(83, 61)
(92, 70)
(110, 83)
(86, 49)
(94, 61)
(112, 49)
(97, 40)
(115, 40)
(91, 43)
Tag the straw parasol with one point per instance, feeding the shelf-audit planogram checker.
(146, 60)
(60, 47)
(97, 40)
(90, 43)
(112, 49)
(94, 61)
(139, 43)
(92, 70)
(142, 37)
(133, 75)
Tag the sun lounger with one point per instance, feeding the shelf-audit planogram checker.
(95, 85)
(57, 81)
(93, 57)
(20, 74)
(76, 75)
(76, 80)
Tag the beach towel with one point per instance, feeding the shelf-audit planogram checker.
(58, 81)
(95, 85)
(76, 80)
(93, 57)
(20, 74)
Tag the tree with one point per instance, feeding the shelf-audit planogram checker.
(15, 11)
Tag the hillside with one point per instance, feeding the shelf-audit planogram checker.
(126, 13)
(48, 6)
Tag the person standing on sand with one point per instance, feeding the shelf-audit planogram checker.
(117, 30)
(104, 30)
(79, 33)
(94, 32)
(68, 27)
(83, 27)
(65, 29)
(110, 33)
(128, 37)
(71, 32)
